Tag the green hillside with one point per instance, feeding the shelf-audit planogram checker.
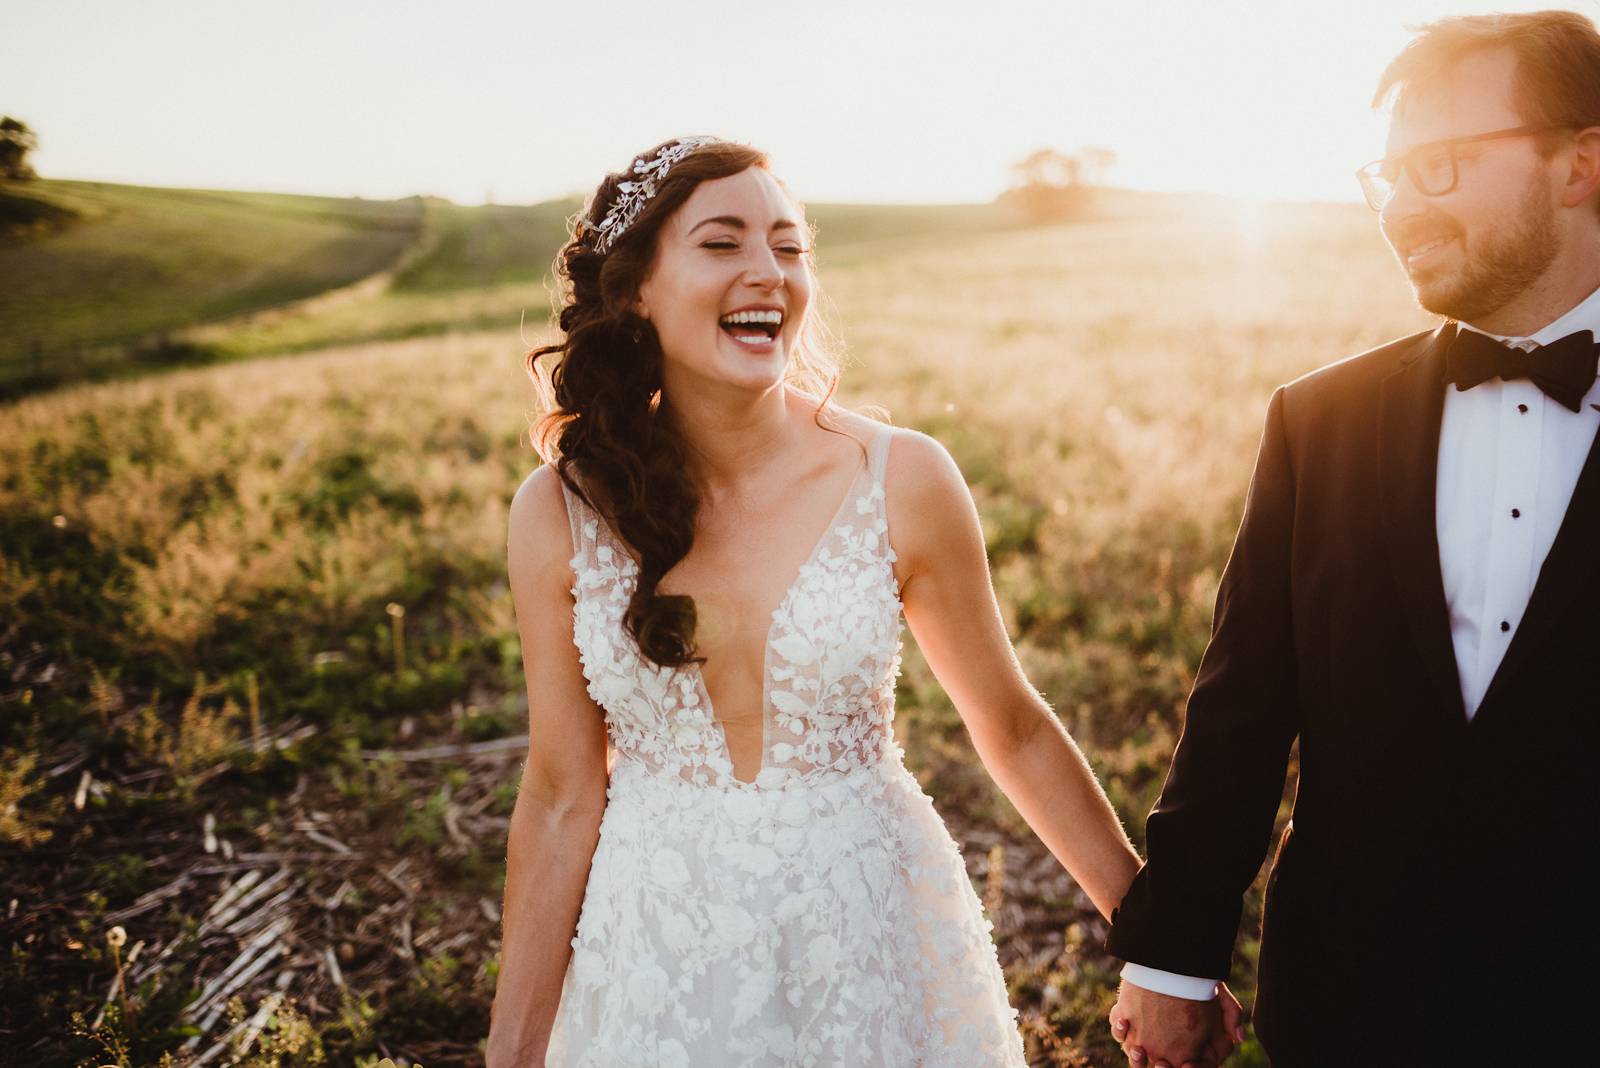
(476, 268)
(115, 264)
(488, 268)
(492, 245)
(101, 280)
(487, 246)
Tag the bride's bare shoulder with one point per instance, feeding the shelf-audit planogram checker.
(932, 519)
(919, 467)
(538, 532)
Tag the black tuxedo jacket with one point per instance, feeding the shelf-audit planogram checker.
(1433, 878)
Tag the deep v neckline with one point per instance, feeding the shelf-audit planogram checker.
(851, 495)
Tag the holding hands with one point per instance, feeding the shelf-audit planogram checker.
(1160, 1031)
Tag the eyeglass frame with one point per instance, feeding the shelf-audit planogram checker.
(1366, 173)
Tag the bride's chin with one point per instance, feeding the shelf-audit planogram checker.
(755, 371)
(759, 384)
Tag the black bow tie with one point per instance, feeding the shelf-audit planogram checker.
(1564, 369)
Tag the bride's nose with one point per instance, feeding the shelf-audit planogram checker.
(762, 270)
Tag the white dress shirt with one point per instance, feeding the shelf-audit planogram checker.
(1509, 457)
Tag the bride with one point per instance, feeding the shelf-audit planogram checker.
(717, 856)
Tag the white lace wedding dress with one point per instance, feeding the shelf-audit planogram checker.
(817, 915)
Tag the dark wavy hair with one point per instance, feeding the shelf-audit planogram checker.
(609, 431)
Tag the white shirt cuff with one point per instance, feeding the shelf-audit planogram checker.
(1170, 983)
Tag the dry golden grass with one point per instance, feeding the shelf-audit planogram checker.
(208, 474)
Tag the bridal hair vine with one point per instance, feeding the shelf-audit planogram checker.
(635, 193)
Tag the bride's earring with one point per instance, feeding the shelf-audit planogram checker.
(644, 315)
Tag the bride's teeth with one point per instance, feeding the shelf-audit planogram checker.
(766, 316)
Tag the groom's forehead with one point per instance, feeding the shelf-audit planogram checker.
(1474, 94)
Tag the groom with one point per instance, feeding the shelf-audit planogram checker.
(1414, 595)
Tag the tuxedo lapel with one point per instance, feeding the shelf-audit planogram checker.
(1568, 568)
(1411, 414)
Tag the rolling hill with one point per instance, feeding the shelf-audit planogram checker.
(102, 280)
(114, 265)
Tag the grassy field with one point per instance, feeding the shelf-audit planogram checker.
(262, 696)
(120, 265)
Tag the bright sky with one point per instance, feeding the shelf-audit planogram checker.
(859, 100)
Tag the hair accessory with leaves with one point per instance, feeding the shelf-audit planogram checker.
(633, 195)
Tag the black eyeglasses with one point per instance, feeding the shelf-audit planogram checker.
(1432, 167)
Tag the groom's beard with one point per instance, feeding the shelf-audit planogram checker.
(1496, 268)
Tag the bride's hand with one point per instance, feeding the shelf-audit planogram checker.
(1159, 1031)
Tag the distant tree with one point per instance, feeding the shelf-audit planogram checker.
(16, 141)
(1097, 162)
(1050, 185)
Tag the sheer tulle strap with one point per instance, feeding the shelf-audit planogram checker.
(577, 513)
(878, 453)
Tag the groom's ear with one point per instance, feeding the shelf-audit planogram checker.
(1583, 180)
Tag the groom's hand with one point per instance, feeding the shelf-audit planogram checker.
(1158, 1031)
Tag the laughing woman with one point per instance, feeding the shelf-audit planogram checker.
(718, 856)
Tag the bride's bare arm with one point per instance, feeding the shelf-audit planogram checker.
(951, 609)
(556, 822)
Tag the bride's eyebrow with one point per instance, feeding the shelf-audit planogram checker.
(739, 224)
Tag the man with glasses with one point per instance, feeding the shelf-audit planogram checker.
(1414, 596)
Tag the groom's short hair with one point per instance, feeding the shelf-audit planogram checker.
(1558, 61)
